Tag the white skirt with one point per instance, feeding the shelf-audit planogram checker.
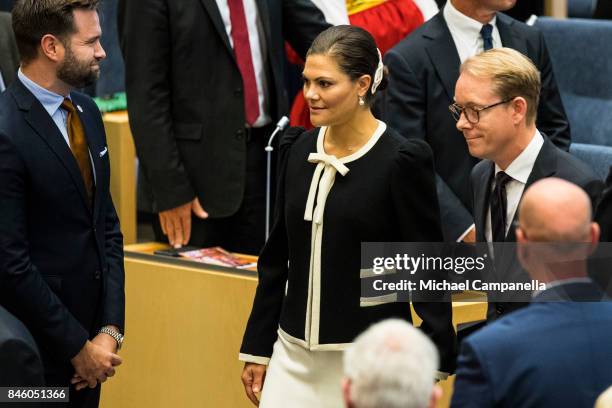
(297, 377)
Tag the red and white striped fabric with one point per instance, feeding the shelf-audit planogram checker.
(389, 21)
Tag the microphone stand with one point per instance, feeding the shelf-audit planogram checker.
(280, 126)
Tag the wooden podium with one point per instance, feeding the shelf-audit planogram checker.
(123, 171)
(556, 8)
(184, 326)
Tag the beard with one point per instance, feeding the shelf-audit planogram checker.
(75, 72)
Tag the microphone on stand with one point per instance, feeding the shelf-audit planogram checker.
(280, 126)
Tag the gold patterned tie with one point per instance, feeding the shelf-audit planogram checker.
(78, 145)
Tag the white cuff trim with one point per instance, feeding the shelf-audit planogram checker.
(377, 300)
(247, 358)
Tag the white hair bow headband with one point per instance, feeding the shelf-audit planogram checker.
(378, 75)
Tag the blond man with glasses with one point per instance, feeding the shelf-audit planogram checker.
(496, 102)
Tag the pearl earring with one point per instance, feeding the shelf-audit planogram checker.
(361, 101)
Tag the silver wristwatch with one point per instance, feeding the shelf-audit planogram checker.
(114, 334)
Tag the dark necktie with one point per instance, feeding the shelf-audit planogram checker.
(499, 206)
(487, 36)
(78, 146)
(244, 59)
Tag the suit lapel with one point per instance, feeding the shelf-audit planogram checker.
(443, 53)
(94, 150)
(482, 200)
(39, 119)
(509, 37)
(213, 11)
(264, 17)
(544, 166)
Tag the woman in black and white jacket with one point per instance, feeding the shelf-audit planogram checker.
(349, 181)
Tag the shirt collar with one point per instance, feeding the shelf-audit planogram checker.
(463, 23)
(521, 167)
(49, 100)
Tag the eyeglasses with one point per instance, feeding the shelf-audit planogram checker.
(472, 114)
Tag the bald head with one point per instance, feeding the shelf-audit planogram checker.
(605, 399)
(555, 210)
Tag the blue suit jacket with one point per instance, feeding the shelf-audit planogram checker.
(61, 263)
(549, 354)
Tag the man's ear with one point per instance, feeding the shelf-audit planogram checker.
(522, 247)
(520, 235)
(436, 396)
(519, 107)
(594, 235)
(52, 48)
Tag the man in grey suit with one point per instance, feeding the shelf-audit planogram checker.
(9, 56)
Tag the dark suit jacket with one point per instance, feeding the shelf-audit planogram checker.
(61, 263)
(603, 215)
(185, 96)
(424, 68)
(549, 354)
(551, 162)
(19, 357)
(603, 10)
(9, 55)
(599, 265)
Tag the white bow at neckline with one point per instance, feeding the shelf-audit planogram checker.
(328, 165)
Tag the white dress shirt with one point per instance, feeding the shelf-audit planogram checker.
(519, 170)
(2, 85)
(466, 32)
(255, 39)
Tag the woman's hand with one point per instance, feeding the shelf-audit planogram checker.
(253, 376)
